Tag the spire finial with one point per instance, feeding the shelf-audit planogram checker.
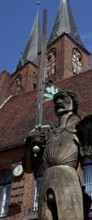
(38, 4)
(64, 23)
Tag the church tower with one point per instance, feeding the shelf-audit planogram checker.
(33, 45)
(25, 78)
(68, 64)
(67, 56)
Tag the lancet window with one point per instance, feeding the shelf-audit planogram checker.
(51, 63)
(77, 66)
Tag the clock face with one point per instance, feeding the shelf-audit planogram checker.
(18, 170)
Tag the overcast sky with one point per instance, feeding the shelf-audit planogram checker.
(16, 20)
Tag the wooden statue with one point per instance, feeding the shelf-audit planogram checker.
(61, 197)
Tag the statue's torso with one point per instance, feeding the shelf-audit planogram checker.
(61, 149)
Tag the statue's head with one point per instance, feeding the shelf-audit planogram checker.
(65, 101)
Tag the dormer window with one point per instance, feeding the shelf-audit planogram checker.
(77, 66)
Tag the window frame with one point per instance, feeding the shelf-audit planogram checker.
(38, 178)
(87, 173)
(5, 190)
(51, 62)
(77, 66)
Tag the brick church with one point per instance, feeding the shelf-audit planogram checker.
(68, 67)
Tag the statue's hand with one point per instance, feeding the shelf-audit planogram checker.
(33, 139)
(37, 137)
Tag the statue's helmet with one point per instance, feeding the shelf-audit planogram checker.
(69, 93)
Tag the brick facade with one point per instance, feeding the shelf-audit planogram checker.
(20, 112)
(18, 116)
(21, 81)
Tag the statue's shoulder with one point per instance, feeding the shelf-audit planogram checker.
(71, 123)
(50, 131)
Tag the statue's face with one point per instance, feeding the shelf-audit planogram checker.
(63, 104)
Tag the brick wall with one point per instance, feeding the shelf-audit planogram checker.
(26, 78)
(4, 81)
(68, 47)
(22, 188)
(23, 80)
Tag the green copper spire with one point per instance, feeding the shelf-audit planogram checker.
(33, 45)
(65, 23)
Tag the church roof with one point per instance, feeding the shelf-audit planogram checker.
(33, 45)
(64, 23)
(18, 115)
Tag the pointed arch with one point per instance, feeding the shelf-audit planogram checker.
(77, 63)
(51, 64)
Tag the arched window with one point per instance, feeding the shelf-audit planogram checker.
(51, 62)
(18, 79)
(77, 66)
(39, 175)
(87, 172)
(34, 79)
(5, 189)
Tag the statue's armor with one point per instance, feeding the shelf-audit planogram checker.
(61, 149)
(64, 201)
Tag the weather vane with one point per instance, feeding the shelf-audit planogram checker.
(38, 4)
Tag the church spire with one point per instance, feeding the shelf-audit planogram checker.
(33, 45)
(65, 23)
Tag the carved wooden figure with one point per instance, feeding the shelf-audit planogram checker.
(61, 195)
